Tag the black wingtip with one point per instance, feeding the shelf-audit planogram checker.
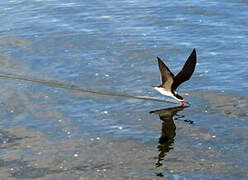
(160, 60)
(193, 55)
(193, 52)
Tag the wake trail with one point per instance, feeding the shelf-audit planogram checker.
(71, 86)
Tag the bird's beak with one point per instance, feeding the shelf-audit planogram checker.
(182, 102)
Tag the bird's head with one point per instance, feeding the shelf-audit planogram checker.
(180, 99)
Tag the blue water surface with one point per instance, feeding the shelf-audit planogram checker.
(111, 46)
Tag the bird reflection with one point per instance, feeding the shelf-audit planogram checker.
(168, 132)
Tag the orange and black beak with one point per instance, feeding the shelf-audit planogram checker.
(182, 102)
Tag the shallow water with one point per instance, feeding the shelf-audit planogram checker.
(78, 104)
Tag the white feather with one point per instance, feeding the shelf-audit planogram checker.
(166, 93)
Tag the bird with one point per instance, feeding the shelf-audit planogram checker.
(170, 82)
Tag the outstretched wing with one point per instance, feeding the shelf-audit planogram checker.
(186, 71)
(167, 77)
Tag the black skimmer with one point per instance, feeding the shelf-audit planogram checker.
(170, 82)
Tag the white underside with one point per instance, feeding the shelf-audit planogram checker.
(166, 93)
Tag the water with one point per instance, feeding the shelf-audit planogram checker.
(79, 117)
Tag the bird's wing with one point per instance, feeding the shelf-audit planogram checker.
(167, 77)
(186, 71)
